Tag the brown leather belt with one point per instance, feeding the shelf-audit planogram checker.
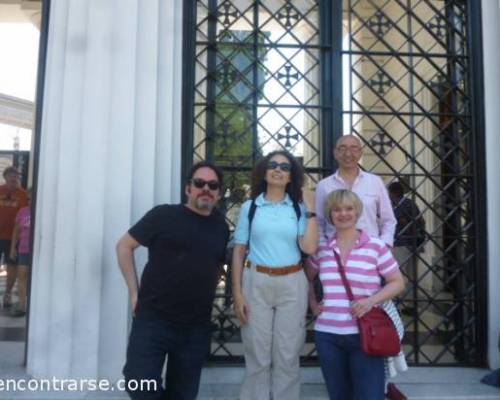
(289, 269)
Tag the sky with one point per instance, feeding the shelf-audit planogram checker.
(18, 68)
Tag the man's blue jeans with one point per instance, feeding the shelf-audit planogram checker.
(348, 372)
(151, 340)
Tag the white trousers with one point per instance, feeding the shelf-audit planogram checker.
(274, 334)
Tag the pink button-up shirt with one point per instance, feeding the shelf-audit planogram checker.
(377, 218)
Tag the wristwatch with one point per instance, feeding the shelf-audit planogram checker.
(310, 214)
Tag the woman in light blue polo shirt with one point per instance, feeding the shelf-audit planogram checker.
(270, 288)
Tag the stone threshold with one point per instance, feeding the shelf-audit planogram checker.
(223, 383)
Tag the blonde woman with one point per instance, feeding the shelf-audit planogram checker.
(348, 372)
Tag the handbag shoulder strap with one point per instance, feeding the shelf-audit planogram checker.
(344, 277)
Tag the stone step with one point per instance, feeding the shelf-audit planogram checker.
(421, 383)
(221, 383)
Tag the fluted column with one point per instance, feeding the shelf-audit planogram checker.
(491, 50)
(110, 150)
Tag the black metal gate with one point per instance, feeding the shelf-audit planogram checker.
(265, 75)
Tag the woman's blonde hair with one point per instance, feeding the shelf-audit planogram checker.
(342, 196)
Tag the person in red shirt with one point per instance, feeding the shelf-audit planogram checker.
(12, 198)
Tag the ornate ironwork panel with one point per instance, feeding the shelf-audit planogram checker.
(295, 75)
(257, 83)
(409, 100)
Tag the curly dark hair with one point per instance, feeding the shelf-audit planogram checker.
(293, 188)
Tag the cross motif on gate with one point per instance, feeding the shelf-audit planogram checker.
(380, 23)
(287, 136)
(381, 143)
(288, 75)
(380, 82)
(229, 16)
(226, 327)
(227, 74)
(288, 15)
(439, 27)
(226, 133)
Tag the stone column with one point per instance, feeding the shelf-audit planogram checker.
(491, 50)
(110, 150)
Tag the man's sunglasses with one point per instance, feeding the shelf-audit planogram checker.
(200, 184)
(284, 166)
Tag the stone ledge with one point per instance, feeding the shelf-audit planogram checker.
(223, 383)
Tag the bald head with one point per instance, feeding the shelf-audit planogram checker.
(349, 138)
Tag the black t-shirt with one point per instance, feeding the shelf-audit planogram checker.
(186, 251)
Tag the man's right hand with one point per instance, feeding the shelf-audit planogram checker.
(241, 309)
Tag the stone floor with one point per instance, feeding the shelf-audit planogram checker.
(11, 329)
(220, 383)
(416, 383)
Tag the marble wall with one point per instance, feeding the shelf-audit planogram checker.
(491, 40)
(110, 150)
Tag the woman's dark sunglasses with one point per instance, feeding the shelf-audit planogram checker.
(200, 184)
(284, 166)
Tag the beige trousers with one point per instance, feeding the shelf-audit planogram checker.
(274, 334)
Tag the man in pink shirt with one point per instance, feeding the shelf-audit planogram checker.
(377, 218)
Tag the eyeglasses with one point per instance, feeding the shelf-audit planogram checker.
(352, 149)
(200, 184)
(284, 166)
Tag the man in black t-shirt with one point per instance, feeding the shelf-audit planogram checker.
(172, 305)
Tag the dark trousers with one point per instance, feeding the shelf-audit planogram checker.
(348, 372)
(151, 340)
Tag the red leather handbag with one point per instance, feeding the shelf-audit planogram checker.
(376, 330)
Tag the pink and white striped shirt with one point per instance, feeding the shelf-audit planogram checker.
(369, 260)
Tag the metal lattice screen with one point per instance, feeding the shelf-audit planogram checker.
(282, 74)
(410, 102)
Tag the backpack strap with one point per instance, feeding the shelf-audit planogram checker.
(251, 214)
(296, 207)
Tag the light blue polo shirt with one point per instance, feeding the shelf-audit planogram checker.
(275, 231)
